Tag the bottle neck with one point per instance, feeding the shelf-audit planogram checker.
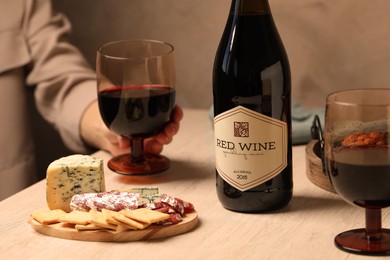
(250, 7)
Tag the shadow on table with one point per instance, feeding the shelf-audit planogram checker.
(304, 203)
(179, 171)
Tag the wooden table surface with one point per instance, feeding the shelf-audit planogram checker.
(303, 230)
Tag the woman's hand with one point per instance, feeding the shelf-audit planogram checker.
(95, 133)
(155, 144)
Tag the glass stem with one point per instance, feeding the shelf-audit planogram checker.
(374, 224)
(137, 150)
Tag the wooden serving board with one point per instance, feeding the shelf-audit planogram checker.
(66, 231)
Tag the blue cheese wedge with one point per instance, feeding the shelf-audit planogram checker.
(70, 175)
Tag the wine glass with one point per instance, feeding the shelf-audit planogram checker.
(136, 95)
(357, 157)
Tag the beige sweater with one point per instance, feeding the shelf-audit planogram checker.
(34, 53)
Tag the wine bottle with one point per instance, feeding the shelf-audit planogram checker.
(252, 112)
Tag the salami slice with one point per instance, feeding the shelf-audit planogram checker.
(174, 218)
(179, 205)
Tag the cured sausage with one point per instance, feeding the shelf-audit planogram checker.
(111, 200)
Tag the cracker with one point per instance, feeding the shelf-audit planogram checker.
(98, 219)
(108, 215)
(132, 224)
(46, 216)
(88, 227)
(122, 228)
(76, 217)
(146, 215)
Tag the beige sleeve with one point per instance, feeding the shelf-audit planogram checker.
(65, 83)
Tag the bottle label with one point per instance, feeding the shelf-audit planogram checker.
(251, 148)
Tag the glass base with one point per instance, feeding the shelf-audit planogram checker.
(122, 164)
(356, 241)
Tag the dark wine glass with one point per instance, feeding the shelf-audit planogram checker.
(357, 155)
(136, 94)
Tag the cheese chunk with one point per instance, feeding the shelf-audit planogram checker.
(148, 196)
(150, 200)
(144, 190)
(72, 175)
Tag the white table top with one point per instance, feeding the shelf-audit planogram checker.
(303, 230)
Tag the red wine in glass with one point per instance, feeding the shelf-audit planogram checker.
(362, 175)
(136, 111)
